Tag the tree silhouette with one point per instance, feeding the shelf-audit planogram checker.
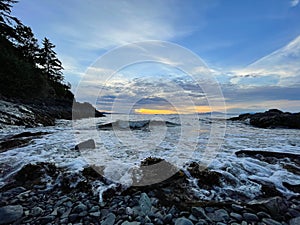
(50, 64)
(26, 43)
(6, 20)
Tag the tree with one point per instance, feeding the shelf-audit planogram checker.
(6, 20)
(50, 64)
(26, 43)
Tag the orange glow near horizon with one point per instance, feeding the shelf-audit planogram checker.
(155, 111)
(184, 110)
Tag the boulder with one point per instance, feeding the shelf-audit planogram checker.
(88, 144)
(10, 213)
(272, 118)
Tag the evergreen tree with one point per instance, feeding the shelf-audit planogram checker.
(6, 20)
(26, 43)
(50, 64)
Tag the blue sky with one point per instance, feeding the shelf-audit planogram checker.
(252, 47)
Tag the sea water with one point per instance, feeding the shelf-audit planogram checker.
(211, 141)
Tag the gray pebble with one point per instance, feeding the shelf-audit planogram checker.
(109, 220)
(201, 222)
(36, 211)
(263, 215)
(183, 221)
(237, 208)
(167, 218)
(270, 221)
(295, 221)
(250, 217)
(10, 213)
(46, 219)
(236, 216)
(95, 214)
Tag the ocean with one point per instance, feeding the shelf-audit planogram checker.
(210, 141)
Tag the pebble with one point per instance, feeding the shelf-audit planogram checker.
(131, 223)
(201, 222)
(263, 215)
(199, 213)
(46, 219)
(183, 221)
(237, 208)
(295, 221)
(167, 218)
(79, 208)
(236, 216)
(10, 213)
(250, 217)
(109, 220)
(95, 214)
(36, 211)
(270, 221)
(145, 203)
(219, 215)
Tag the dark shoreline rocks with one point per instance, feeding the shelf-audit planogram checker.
(42, 112)
(135, 125)
(44, 193)
(19, 140)
(272, 118)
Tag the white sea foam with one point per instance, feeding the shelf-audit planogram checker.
(120, 152)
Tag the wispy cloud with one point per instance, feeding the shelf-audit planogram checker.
(281, 66)
(294, 3)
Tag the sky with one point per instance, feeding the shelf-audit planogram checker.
(251, 48)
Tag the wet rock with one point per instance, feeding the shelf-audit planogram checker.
(109, 220)
(79, 208)
(168, 218)
(237, 208)
(23, 115)
(236, 216)
(201, 222)
(10, 213)
(135, 125)
(32, 174)
(250, 217)
(263, 215)
(88, 144)
(206, 178)
(130, 223)
(292, 187)
(183, 221)
(46, 219)
(145, 203)
(84, 110)
(272, 118)
(219, 215)
(14, 143)
(276, 206)
(269, 221)
(295, 221)
(199, 213)
(36, 211)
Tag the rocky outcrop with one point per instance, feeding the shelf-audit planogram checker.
(135, 125)
(42, 112)
(23, 115)
(43, 193)
(84, 110)
(19, 140)
(272, 118)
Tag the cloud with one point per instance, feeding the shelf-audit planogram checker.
(106, 24)
(294, 3)
(281, 67)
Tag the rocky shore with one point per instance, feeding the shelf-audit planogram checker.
(272, 118)
(42, 112)
(45, 194)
